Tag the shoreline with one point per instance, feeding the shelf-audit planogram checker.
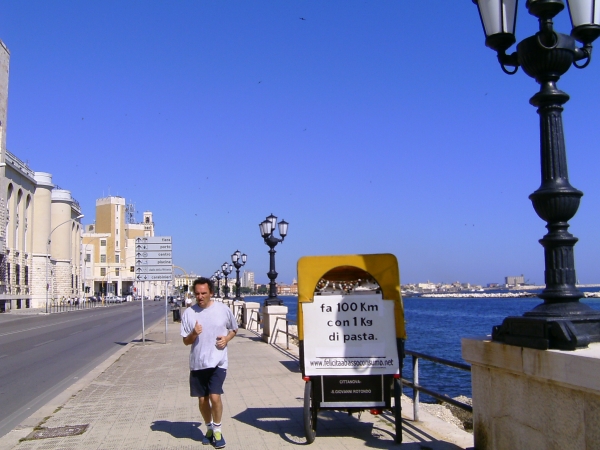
(490, 295)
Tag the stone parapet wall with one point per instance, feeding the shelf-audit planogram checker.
(534, 399)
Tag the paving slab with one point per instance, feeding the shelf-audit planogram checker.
(139, 399)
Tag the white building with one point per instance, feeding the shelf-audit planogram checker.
(515, 281)
(247, 279)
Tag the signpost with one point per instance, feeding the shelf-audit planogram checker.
(153, 262)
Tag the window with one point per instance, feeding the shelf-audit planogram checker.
(17, 274)
(117, 272)
(8, 273)
(88, 257)
(26, 275)
(132, 268)
(102, 258)
(117, 257)
(102, 242)
(102, 271)
(72, 281)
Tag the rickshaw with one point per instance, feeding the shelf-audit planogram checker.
(351, 335)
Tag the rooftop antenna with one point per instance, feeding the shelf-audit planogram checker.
(130, 213)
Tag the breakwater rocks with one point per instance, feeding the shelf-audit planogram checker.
(480, 295)
(493, 295)
(449, 413)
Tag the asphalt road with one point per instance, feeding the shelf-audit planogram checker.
(41, 355)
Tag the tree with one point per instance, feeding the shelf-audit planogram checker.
(262, 289)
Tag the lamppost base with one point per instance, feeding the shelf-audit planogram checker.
(270, 301)
(568, 332)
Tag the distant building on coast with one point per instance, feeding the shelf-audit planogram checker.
(247, 280)
(515, 281)
(288, 289)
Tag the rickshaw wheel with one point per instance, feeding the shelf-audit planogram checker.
(310, 414)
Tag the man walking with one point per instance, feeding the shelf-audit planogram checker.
(208, 326)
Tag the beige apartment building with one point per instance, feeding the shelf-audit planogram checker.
(40, 227)
(187, 279)
(108, 249)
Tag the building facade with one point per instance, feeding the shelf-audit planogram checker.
(247, 280)
(40, 228)
(108, 249)
(515, 281)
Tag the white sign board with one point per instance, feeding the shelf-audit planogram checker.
(350, 335)
(153, 240)
(153, 258)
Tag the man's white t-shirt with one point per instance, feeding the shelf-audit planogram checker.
(216, 320)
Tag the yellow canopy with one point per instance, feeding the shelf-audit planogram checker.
(382, 267)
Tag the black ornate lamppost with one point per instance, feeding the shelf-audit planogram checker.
(214, 282)
(226, 269)
(562, 321)
(267, 227)
(218, 275)
(236, 258)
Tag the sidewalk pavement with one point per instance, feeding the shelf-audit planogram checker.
(139, 399)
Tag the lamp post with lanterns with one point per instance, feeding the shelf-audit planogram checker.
(267, 227)
(226, 269)
(217, 276)
(238, 261)
(562, 321)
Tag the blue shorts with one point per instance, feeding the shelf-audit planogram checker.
(207, 381)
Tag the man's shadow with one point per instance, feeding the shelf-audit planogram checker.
(179, 430)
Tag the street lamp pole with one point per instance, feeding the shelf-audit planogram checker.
(236, 258)
(213, 278)
(226, 269)
(562, 321)
(267, 227)
(48, 241)
(218, 275)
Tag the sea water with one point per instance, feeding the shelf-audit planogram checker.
(435, 326)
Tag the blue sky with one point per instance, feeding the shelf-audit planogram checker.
(369, 126)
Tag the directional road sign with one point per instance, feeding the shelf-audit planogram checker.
(154, 277)
(153, 269)
(153, 240)
(153, 258)
(151, 254)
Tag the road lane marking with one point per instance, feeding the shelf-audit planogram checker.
(3, 356)
(50, 325)
(47, 342)
(77, 332)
